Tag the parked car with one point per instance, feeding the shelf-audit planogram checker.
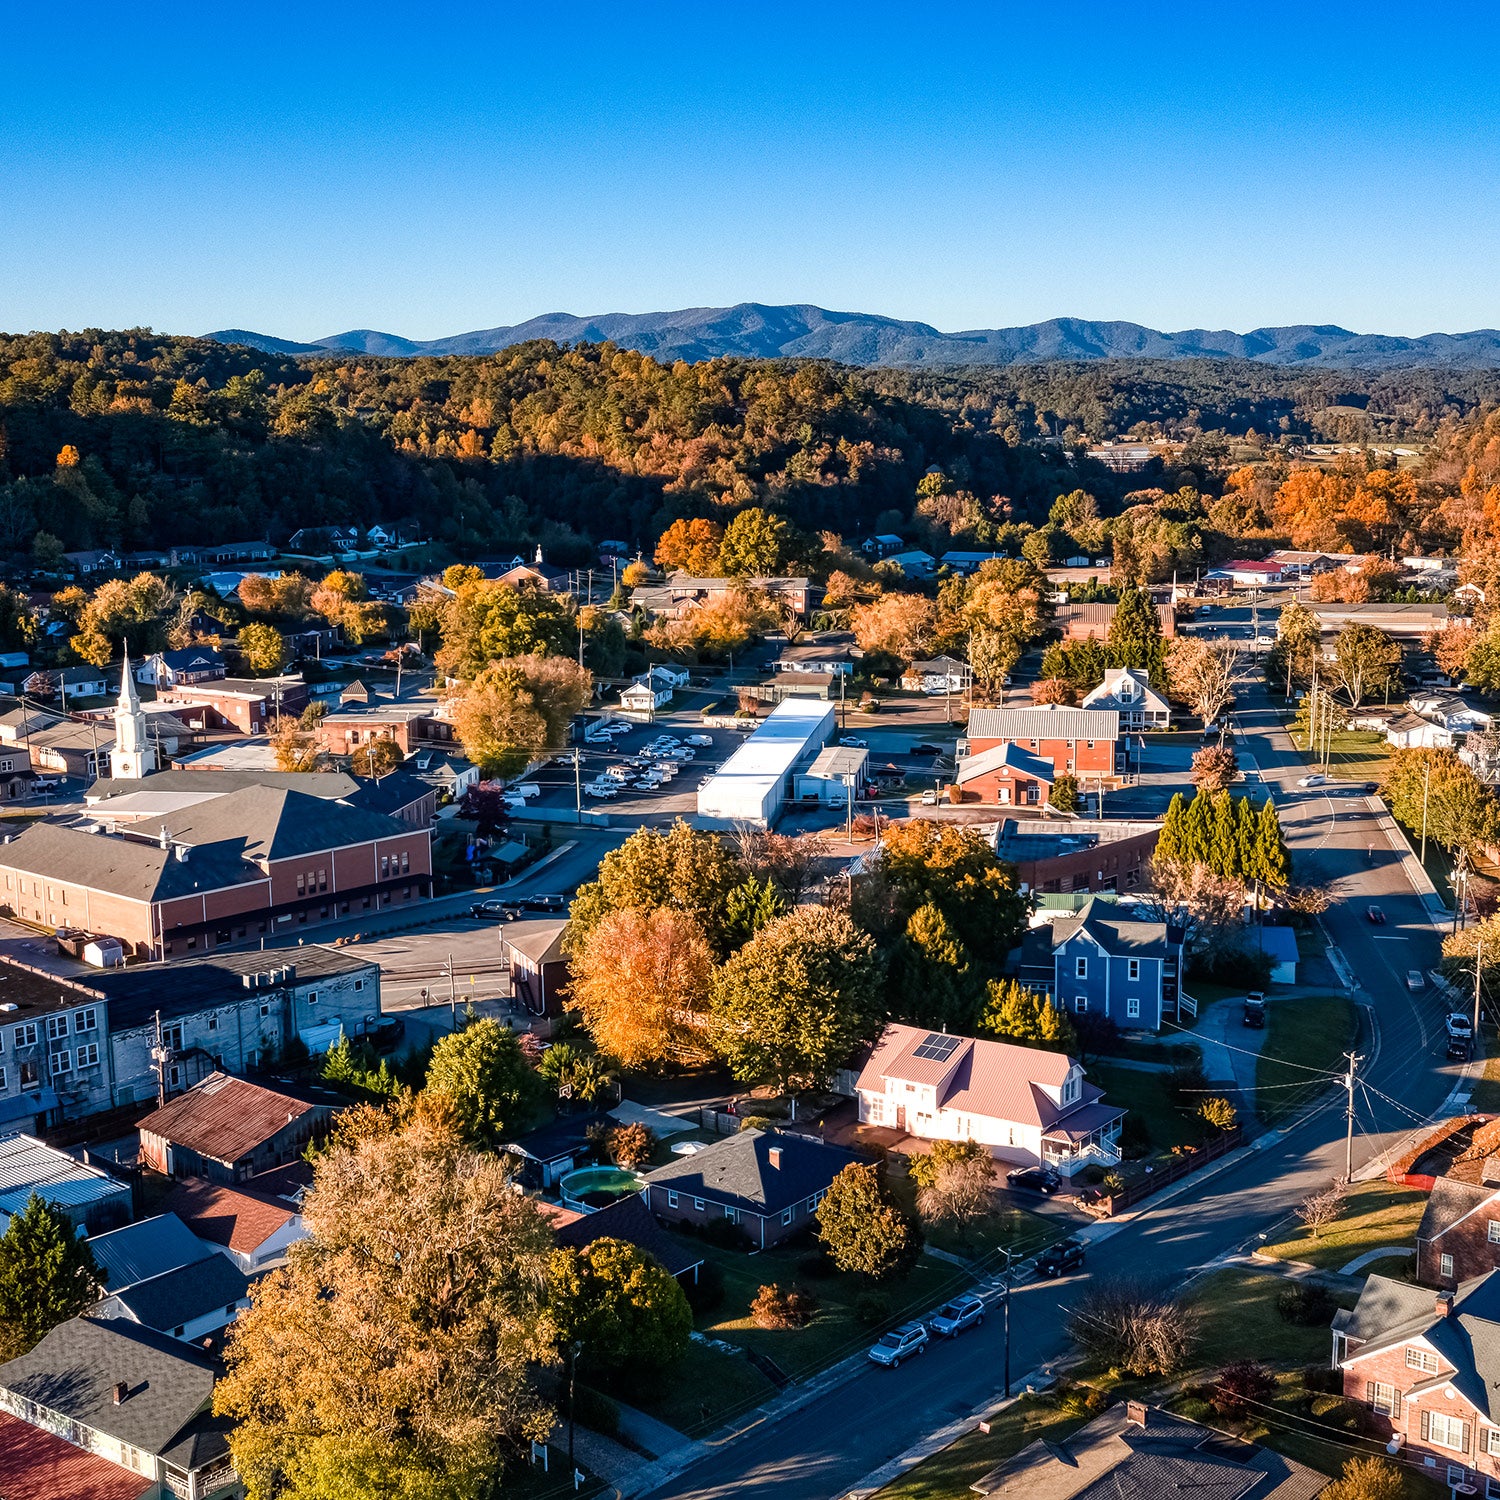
(1255, 1011)
(900, 1343)
(1375, 914)
(929, 798)
(849, 742)
(953, 1317)
(1056, 1260)
(46, 783)
(1459, 1024)
(386, 1033)
(1415, 980)
(928, 750)
(549, 902)
(1044, 1180)
(1459, 1048)
(706, 741)
(1316, 779)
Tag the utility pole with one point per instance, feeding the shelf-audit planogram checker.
(1007, 1324)
(1354, 1061)
(577, 785)
(1478, 970)
(452, 994)
(1426, 784)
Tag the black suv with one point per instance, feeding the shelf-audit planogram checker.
(1044, 1180)
(1057, 1260)
(545, 903)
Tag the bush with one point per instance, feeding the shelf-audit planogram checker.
(776, 1306)
(1323, 1379)
(816, 1267)
(1135, 1138)
(726, 1234)
(1245, 1382)
(594, 1410)
(872, 1308)
(631, 1145)
(1308, 1306)
(1130, 1327)
(1082, 1401)
(707, 1292)
(1186, 1081)
(757, 1122)
(1232, 961)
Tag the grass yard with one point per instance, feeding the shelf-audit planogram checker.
(1374, 1214)
(1239, 1317)
(703, 1390)
(1148, 1098)
(1354, 754)
(835, 1333)
(1486, 1096)
(1011, 1228)
(1300, 1034)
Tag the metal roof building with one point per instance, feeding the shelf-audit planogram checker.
(752, 785)
(86, 1195)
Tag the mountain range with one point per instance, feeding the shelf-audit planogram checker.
(754, 330)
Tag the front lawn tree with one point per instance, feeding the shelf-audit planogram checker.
(1364, 661)
(862, 1227)
(956, 1185)
(792, 1005)
(1203, 674)
(620, 1304)
(1215, 767)
(1135, 1328)
(47, 1275)
(376, 759)
(484, 1074)
(1013, 1013)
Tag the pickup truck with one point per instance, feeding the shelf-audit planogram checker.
(1255, 1011)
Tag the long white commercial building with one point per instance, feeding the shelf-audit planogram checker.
(753, 785)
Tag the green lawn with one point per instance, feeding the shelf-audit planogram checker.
(1300, 1034)
(1486, 1096)
(1354, 754)
(1239, 1318)
(1374, 1214)
(1011, 1228)
(1147, 1096)
(835, 1333)
(703, 1390)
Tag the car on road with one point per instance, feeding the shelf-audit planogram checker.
(1057, 1260)
(953, 1317)
(1255, 1011)
(929, 798)
(1375, 914)
(1044, 1180)
(705, 741)
(1459, 1024)
(928, 750)
(503, 909)
(550, 901)
(1414, 980)
(849, 742)
(526, 790)
(1316, 779)
(1460, 1048)
(900, 1343)
(1263, 639)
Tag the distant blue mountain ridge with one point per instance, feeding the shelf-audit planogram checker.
(754, 330)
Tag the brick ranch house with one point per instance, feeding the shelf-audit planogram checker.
(1459, 1236)
(1427, 1365)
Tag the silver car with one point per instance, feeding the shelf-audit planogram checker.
(899, 1343)
(953, 1317)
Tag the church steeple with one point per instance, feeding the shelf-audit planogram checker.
(133, 756)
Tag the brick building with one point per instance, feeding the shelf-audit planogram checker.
(1089, 855)
(1006, 775)
(1080, 621)
(249, 705)
(258, 862)
(1079, 742)
(1459, 1236)
(1427, 1366)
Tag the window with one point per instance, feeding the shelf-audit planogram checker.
(62, 1062)
(1081, 1004)
(2, 1080)
(698, 1204)
(1383, 1398)
(1492, 1439)
(84, 1020)
(1133, 1008)
(359, 984)
(1081, 968)
(322, 880)
(312, 997)
(1494, 1231)
(1133, 968)
(1445, 1265)
(1423, 1359)
(786, 1216)
(57, 1026)
(30, 1079)
(26, 1034)
(732, 1214)
(1444, 1431)
(1457, 1474)
(177, 1331)
(405, 862)
(265, 1008)
(88, 1055)
(385, 866)
(301, 882)
(171, 1036)
(671, 1200)
(213, 1022)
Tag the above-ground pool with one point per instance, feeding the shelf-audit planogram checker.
(589, 1188)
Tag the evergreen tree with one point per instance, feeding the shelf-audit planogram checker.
(932, 977)
(1224, 849)
(1197, 831)
(1272, 862)
(751, 906)
(47, 1275)
(1246, 838)
(1135, 634)
(1169, 842)
(1014, 1014)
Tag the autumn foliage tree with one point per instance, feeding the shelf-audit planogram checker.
(517, 708)
(642, 981)
(863, 1229)
(692, 547)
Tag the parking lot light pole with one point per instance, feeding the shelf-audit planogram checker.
(1006, 1304)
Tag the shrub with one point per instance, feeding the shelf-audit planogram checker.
(757, 1122)
(1323, 1379)
(1082, 1401)
(1186, 1081)
(1368, 1479)
(1112, 1182)
(594, 1410)
(631, 1145)
(1308, 1306)
(1244, 1382)
(1218, 1114)
(776, 1306)
(872, 1308)
(707, 1292)
(1132, 1328)
(726, 1234)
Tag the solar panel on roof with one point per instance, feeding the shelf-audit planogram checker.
(936, 1047)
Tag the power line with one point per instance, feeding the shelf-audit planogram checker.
(1280, 1062)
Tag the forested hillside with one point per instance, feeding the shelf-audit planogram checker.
(138, 439)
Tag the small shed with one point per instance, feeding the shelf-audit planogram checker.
(836, 772)
(1279, 944)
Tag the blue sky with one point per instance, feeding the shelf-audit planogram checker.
(432, 169)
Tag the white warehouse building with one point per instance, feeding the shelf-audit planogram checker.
(752, 786)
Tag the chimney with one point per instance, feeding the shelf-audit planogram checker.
(121, 1392)
(1135, 1411)
(774, 1157)
(1444, 1307)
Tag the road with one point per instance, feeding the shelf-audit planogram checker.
(826, 1447)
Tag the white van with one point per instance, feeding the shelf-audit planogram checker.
(526, 789)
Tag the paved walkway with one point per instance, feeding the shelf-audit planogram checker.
(1371, 1256)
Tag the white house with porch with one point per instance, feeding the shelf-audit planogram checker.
(1027, 1106)
(1128, 691)
(653, 690)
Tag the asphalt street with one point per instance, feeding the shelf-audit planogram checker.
(826, 1447)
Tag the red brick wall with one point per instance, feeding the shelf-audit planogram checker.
(987, 788)
(1469, 1244)
(1080, 760)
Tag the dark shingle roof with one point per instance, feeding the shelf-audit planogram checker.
(629, 1219)
(1117, 935)
(74, 1371)
(178, 1297)
(1448, 1202)
(328, 784)
(738, 1170)
(389, 794)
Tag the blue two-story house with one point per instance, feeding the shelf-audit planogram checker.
(1108, 964)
